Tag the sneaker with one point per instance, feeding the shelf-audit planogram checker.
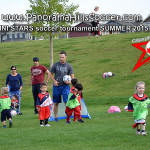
(10, 124)
(138, 133)
(81, 121)
(56, 119)
(47, 125)
(144, 133)
(41, 125)
(4, 126)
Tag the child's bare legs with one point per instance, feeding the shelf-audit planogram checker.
(9, 119)
(4, 123)
(138, 130)
(10, 122)
(138, 127)
(143, 129)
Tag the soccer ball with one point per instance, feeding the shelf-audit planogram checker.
(110, 74)
(66, 78)
(126, 108)
(13, 113)
(148, 48)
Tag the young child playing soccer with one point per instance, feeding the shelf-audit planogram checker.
(14, 102)
(138, 103)
(74, 82)
(5, 103)
(42, 105)
(73, 104)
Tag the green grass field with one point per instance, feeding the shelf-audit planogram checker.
(90, 58)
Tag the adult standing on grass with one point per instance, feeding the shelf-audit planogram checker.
(15, 83)
(37, 77)
(60, 88)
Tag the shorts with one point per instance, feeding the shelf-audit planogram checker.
(61, 91)
(44, 113)
(5, 113)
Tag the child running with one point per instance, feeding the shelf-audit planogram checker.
(42, 105)
(73, 104)
(5, 104)
(138, 103)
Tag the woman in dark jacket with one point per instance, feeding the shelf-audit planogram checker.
(15, 83)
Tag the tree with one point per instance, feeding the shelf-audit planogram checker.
(48, 15)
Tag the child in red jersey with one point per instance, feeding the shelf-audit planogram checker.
(42, 105)
(74, 82)
(14, 102)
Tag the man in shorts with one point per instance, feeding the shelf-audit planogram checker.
(60, 88)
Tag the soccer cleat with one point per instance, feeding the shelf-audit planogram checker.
(41, 125)
(138, 133)
(47, 125)
(10, 124)
(81, 121)
(144, 133)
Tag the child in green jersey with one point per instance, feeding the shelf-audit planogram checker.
(138, 103)
(5, 104)
(73, 104)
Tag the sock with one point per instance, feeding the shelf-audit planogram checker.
(46, 121)
(138, 130)
(10, 121)
(41, 122)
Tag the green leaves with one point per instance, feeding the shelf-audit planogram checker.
(47, 9)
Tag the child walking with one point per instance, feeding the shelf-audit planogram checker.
(138, 103)
(42, 105)
(73, 104)
(5, 104)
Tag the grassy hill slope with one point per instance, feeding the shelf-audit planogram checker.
(90, 58)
